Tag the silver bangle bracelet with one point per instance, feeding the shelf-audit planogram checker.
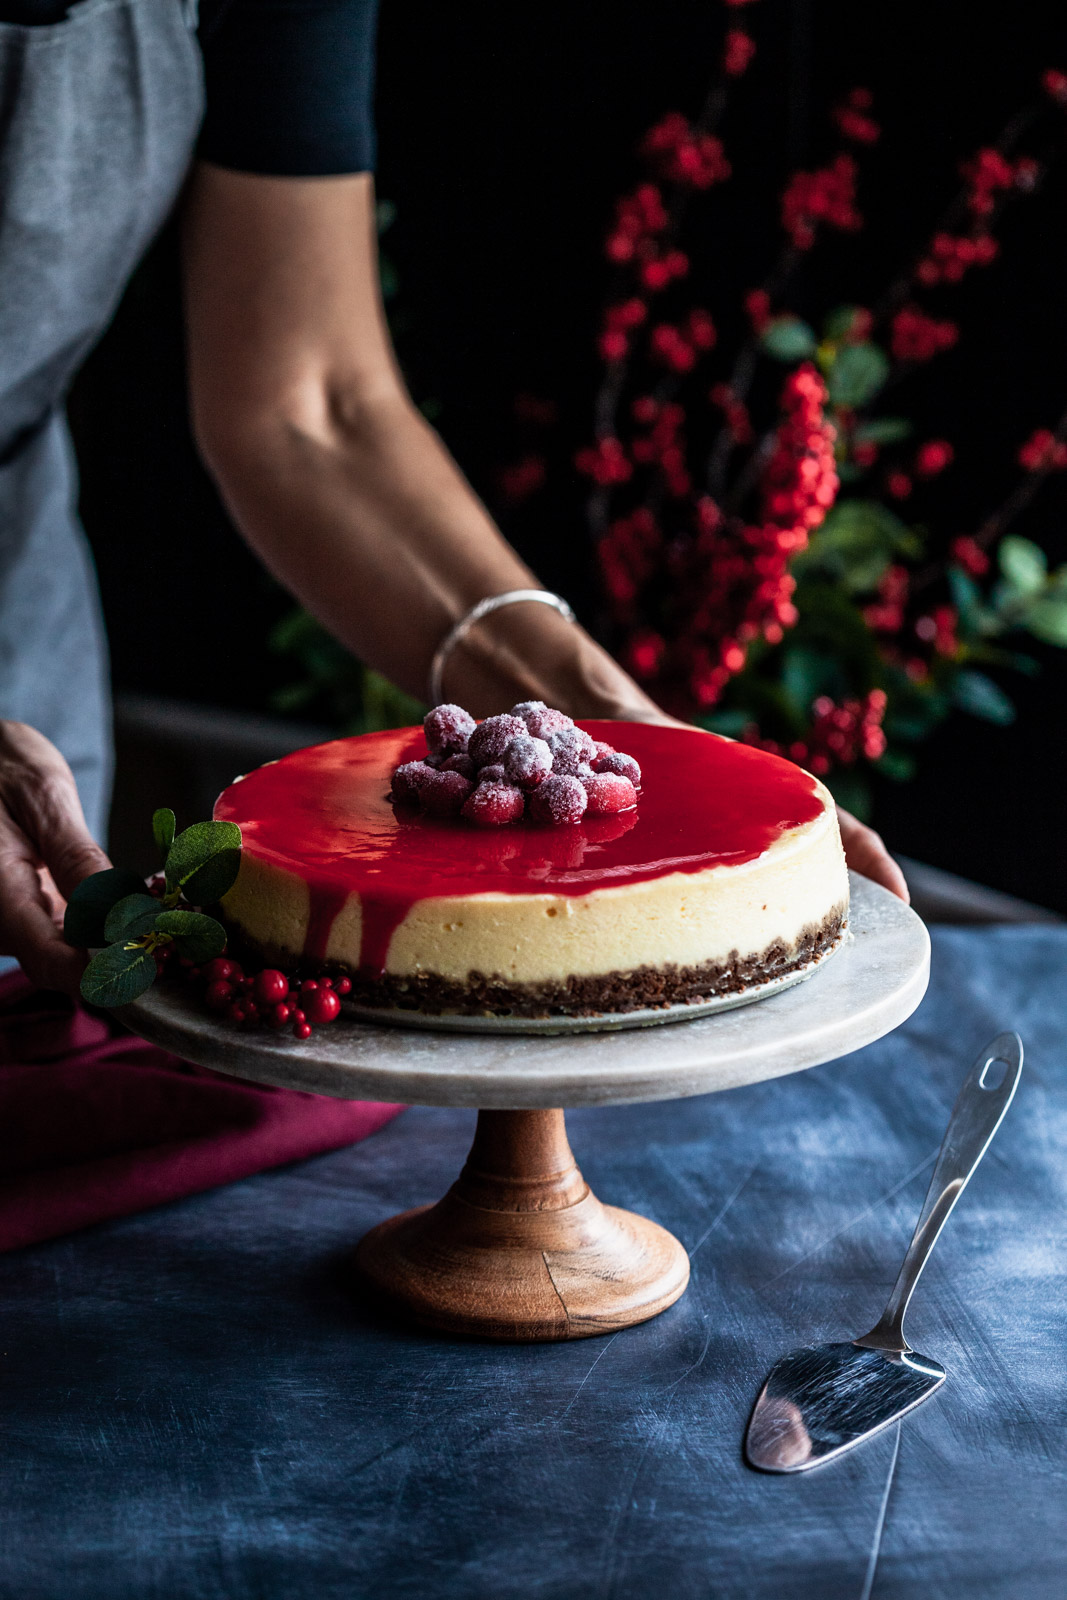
(491, 603)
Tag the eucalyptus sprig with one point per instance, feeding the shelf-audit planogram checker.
(113, 910)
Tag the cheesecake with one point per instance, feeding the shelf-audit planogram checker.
(725, 874)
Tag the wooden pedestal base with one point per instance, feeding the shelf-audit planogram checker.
(520, 1249)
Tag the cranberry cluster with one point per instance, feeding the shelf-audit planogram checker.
(913, 336)
(840, 734)
(1043, 452)
(826, 196)
(268, 997)
(531, 762)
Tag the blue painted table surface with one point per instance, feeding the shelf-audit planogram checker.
(198, 1406)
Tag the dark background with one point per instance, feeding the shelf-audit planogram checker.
(505, 135)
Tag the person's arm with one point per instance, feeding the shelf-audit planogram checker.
(330, 471)
(338, 482)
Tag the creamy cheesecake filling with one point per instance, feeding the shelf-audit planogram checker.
(683, 919)
(729, 873)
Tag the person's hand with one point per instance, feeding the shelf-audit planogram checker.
(865, 853)
(45, 851)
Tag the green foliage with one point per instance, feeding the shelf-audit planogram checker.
(118, 975)
(112, 909)
(856, 543)
(788, 339)
(840, 322)
(203, 862)
(334, 685)
(856, 373)
(882, 430)
(163, 826)
(130, 917)
(198, 937)
(974, 692)
(1024, 565)
(88, 906)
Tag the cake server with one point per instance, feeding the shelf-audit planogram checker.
(820, 1401)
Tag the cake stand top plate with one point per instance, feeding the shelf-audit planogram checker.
(865, 991)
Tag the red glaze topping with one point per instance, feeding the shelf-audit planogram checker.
(324, 814)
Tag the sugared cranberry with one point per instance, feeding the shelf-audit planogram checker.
(622, 765)
(559, 799)
(603, 749)
(270, 987)
(544, 722)
(343, 986)
(493, 773)
(443, 794)
(218, 996)
(448, 729)
(323, 1006)
(461, 764)
(492, 805)
(608, 793)
(527, 708)
(301, 1030)
(527, 761)
(571, 749)
(491, 738)
(408, 779)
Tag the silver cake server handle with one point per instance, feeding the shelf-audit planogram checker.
(976, 1116)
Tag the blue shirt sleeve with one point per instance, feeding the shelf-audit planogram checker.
(290, 86)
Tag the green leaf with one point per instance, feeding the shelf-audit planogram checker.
(116, 976)
(386, 706)
(897, 765)
(133, 917)
(979, 695)
(198, 937)
(91, 901)
(858, 372)
(966, 596)
(788, 339)
(1023, 564)
(856, 543)
(163, 824)
(839, 323)
(882, 430)
(203, 861)
(1047, 620)
(808, 673)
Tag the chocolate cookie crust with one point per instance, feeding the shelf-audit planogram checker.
(647, 988)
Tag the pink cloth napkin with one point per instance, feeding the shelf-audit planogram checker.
(95, 1123)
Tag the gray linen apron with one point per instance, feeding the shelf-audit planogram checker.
(98, 116)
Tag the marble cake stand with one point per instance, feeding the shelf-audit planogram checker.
(519, 1248)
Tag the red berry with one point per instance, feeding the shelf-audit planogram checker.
(492, 805)
(301, 1030)
(251, 1010)
(571, 749)
(494, 773)
(444, 795)
(461, 764)
(270, 986)
(618, 762)
(343, 986)
(325, 983)
(280, 1016)
(448, 729)
(491, 738)
(298, 1015)
(222, 970)
(309, 986)
(236, 1013)
(218, 996)
(408, 779)
(558, 800)
(527, 761)
(608, 793)
(542, 721)
(323, 1006)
